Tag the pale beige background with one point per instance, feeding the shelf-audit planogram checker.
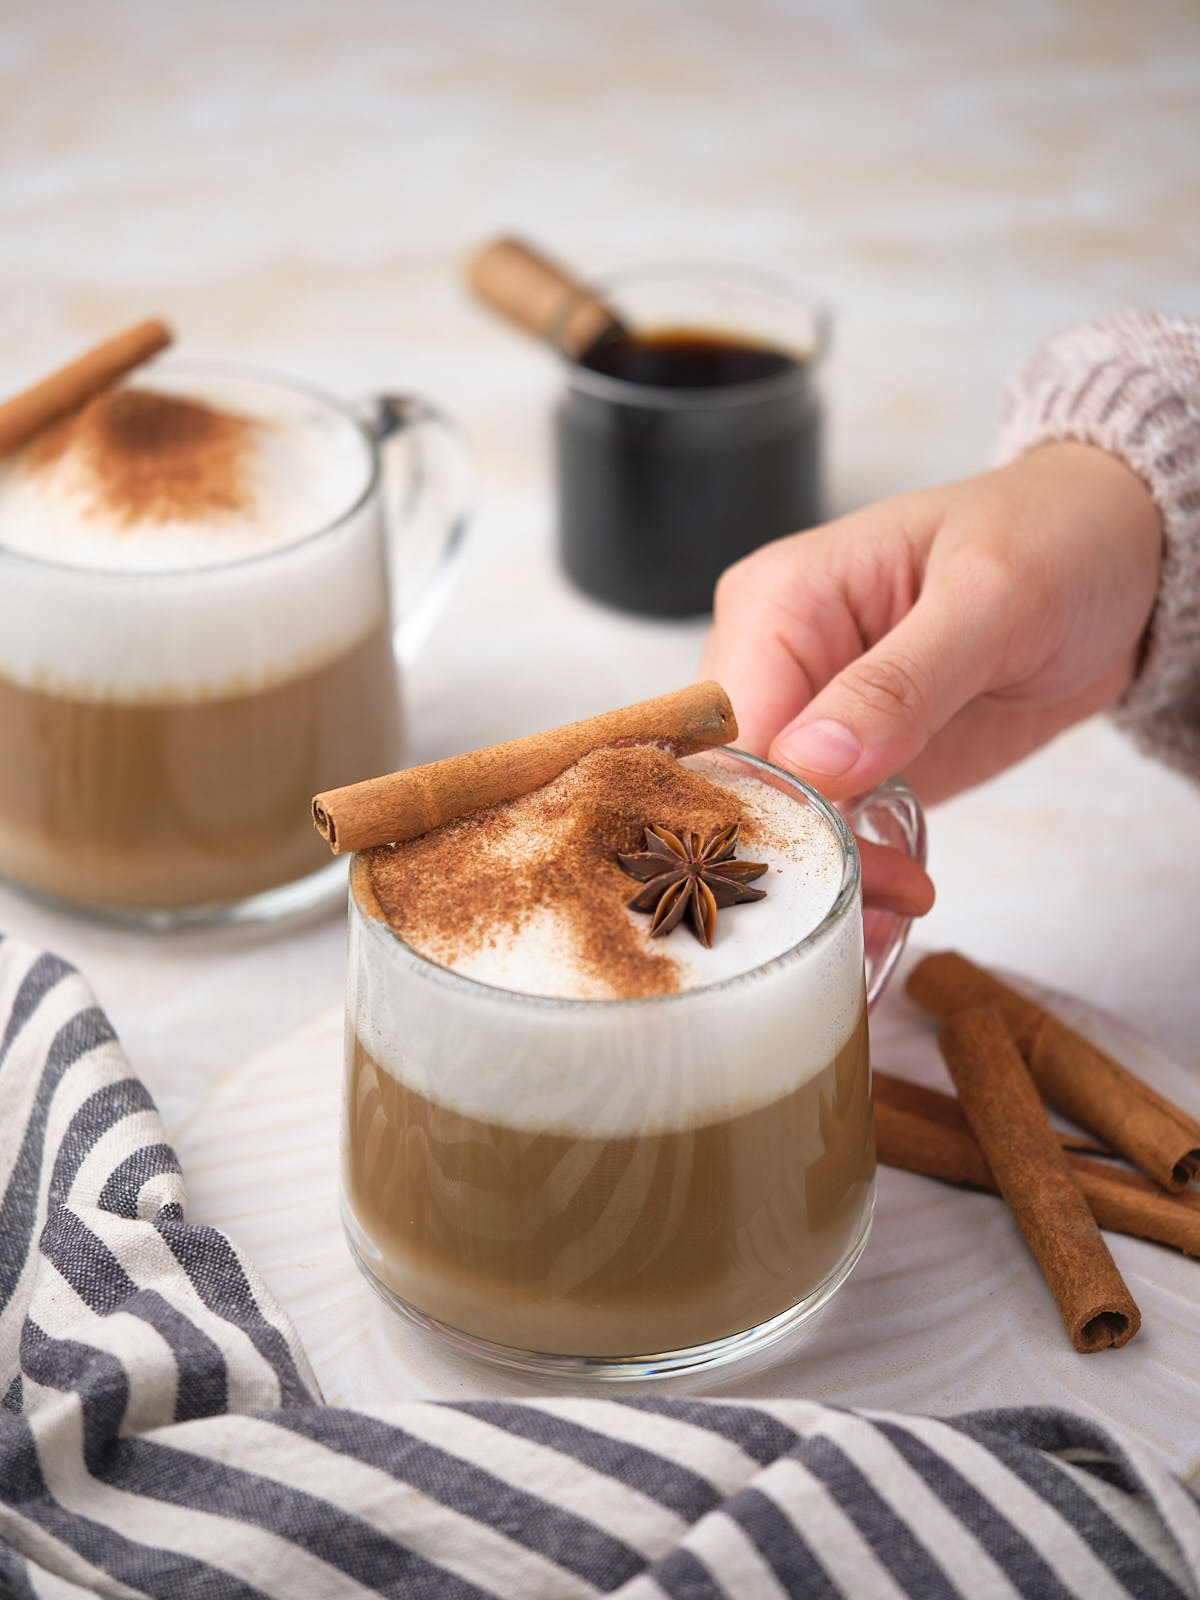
(298, 183)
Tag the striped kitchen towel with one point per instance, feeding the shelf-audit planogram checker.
(162, 1434)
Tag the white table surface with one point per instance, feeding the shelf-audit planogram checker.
(297, 184)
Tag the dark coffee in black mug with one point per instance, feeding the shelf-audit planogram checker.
(680, 449)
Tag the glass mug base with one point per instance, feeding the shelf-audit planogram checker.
(631, 1368)
(317, 892)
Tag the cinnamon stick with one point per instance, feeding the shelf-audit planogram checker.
(1001, 1104)
(1071, 1073)
(541, 296)
(401, 805)
(69, 387)
(944, 1147)
(935, 1106)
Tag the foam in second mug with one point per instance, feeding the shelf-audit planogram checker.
(565, 1137)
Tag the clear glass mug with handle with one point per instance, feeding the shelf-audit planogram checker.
(172, 695)
(626, 1187)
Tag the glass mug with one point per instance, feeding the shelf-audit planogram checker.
(690, 440)
(163, 730)
(619, 1188)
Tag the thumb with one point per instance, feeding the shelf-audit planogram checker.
(880, 711)
(893, 881)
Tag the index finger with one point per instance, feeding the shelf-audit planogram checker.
(764, 639)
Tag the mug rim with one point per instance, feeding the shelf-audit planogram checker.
(364, 904)
(746, 391)
(270, 379)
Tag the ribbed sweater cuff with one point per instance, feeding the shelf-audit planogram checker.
(1131, 385)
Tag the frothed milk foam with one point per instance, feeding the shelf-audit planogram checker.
(285, 469)
(562, 1135)
(120, 596)
(532, 1069)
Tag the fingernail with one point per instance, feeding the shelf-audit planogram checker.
(821, 746)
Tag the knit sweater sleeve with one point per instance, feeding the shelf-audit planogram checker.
(1131, 384)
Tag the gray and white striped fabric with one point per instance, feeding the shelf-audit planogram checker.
(161, 1433)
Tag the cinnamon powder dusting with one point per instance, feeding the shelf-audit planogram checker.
(152, 457)
(480, 879)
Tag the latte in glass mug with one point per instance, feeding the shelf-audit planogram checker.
(569, 1143)
(195, 635)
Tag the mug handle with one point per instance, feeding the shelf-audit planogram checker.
(890, 815)
(441, 479)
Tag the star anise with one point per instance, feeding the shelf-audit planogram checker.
(681, 874)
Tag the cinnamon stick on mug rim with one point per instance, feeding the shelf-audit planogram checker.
(66, 389)
(1006, 1115)
(1072, 1074)
(402, 805)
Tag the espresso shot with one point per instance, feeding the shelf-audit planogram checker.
(689, 429)
(694, 449)
(689, 433)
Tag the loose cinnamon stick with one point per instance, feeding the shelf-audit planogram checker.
(928, 1145)
(67, 389)
(1001, 1104)
(1071, 1073)
(1120, 1201)
(934, 1106)
(404, 804)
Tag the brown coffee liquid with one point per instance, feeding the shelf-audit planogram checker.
(707, 448)
(684, 358)
(150, 804)
(608, 1246)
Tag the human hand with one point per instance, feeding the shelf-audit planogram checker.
(945, 633)
(893, 881)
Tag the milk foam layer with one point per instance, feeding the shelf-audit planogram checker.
(151, 611)
(805, 874)
(758, 1021)
(307, 465)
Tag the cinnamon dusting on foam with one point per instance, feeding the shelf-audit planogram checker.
(486, 876)
(152, 457)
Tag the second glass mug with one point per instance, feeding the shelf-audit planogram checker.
(164, 731)
(620, 1188)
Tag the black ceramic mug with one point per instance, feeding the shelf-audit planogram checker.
(689, 434)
